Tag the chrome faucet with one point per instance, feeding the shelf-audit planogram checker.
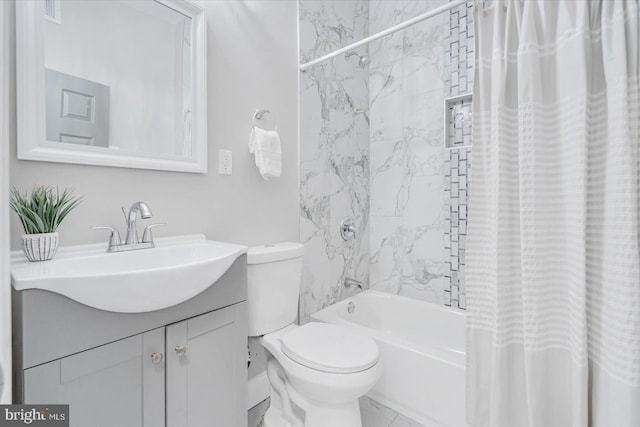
(350, 283)
(132, 217)
(132, 241)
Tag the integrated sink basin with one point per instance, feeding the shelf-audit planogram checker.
(177, 269)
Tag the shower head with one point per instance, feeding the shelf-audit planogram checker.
(363, 60)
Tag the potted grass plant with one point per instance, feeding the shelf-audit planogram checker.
(41, 212)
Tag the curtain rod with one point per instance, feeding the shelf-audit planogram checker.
(391, 30)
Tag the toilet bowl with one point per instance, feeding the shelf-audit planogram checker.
(317, 371)
(325, 389)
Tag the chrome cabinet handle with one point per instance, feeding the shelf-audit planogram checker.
(180, 350)
(156, 358)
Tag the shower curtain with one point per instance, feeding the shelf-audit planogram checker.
(553, 275)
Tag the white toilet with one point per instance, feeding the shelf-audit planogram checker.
(317, 371)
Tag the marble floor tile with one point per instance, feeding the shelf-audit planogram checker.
(375, 414)
(402, 421)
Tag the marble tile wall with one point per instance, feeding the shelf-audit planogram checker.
(334, 152)
(407, 90)
(419, 188)
(372, 147)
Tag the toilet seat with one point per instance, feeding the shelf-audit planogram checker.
(329, 348)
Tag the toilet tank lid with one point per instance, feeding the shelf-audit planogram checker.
(274, 252)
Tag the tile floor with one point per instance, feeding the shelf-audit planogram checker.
(373, 414)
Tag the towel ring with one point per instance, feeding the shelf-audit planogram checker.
(259, 114)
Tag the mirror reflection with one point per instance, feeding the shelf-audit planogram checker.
(118, 77)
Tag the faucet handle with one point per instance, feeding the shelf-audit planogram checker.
(347, 229)
(147, 236)
(114, 240)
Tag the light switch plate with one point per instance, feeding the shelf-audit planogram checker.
(225, 162)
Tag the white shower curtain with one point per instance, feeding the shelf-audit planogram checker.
(553, 275)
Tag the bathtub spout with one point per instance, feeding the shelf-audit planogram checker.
(350, 283)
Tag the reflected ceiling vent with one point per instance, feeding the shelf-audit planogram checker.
(52, 10)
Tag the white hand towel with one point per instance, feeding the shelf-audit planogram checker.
(265, 145)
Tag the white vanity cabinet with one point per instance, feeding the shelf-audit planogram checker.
(184, 366)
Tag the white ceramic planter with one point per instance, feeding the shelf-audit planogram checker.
(40, 247)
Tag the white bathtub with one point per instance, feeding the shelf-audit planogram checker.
(422, 348)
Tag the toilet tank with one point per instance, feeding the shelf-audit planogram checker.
(273, 286)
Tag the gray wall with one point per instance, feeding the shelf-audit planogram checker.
(5, 289)
(252, 63)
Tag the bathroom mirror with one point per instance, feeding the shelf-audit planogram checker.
(112, 83)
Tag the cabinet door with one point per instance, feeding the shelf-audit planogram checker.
(207, 370)
(117, 384)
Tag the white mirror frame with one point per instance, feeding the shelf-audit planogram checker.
(30, 86)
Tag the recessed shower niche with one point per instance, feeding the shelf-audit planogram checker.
(457, 121)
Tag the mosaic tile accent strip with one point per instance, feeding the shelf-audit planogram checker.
(459, 55)
(459, 61)
(456, 188)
